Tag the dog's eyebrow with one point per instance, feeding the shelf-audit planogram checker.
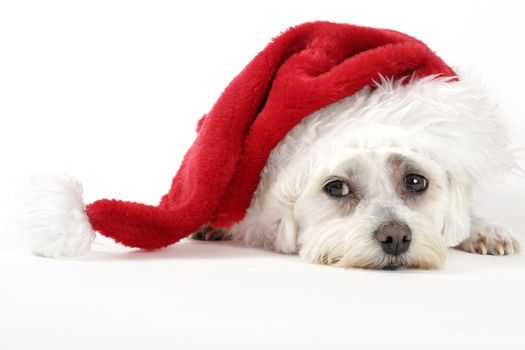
(350, 168)
(398, 162)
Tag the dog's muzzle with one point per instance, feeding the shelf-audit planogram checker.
(394, 237)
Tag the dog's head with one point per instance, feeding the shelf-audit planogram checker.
(376, 208)
(383, 179)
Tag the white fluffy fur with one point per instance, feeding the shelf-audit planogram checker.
(50, 218)
(451, 128)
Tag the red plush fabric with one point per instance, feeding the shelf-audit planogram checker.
(302, 70)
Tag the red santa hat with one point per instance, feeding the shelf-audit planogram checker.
(302, 70)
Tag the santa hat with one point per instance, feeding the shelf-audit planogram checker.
(302, 70)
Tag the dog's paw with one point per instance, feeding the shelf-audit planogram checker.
(490, 239)
(209, 233)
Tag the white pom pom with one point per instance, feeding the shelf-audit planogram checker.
(49, 216)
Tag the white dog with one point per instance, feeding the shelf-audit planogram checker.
(383, 179)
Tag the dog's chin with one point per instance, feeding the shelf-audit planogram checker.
(355, 248)
(381, 261)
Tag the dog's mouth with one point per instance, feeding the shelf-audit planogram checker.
(395, 262)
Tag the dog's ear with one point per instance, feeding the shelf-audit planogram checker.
(456, 226)
(289, 188)
(287, 230)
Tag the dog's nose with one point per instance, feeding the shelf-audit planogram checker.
(394, 237)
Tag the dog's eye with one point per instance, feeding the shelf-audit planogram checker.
(337, 188)
(415, 183)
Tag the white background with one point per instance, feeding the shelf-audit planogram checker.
(110, 91)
